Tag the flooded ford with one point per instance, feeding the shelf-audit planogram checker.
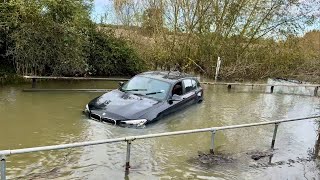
(50, 118)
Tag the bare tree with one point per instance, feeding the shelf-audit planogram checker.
(201, 30)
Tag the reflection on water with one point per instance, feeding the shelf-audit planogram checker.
(36, 119)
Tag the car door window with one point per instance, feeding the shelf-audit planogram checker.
(194, 84)
(177, 89)
(189, 85)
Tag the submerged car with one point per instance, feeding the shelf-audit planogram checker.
(145, 98)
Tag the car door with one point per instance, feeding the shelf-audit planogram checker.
(198, 91)
(189, 95)
(173, 106)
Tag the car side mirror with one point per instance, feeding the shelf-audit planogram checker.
(175, 98)
(121, 83)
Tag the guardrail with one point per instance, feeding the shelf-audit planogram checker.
(34, 79)
(66, 90)
(315, 86)
(76, 78)
(229, 85)
(129, 140)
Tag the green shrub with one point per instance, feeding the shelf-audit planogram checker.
(55, 37)
(111, 56)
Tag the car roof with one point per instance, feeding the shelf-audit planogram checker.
(167, 76)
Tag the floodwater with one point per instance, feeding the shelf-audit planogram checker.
(48, 118)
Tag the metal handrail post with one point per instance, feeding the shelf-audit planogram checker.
(212, 141)
(3, 168)
(316, 91)
(34, 82)
(274, 135)
(271, 89)
(128, 155)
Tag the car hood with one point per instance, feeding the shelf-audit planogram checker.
(118, 105)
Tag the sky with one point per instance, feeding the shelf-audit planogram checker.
(105, 7)
(102, 7)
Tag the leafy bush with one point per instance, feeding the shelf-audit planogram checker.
(110, 56)
(49, 37)
(55, 37)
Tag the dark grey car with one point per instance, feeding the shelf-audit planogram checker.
(145, 98)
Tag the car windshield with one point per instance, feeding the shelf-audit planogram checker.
(147, 86)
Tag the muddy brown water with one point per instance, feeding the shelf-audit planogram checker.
(48, 118)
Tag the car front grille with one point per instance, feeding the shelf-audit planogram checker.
(109, 120)
(95, 116)
(105, 119)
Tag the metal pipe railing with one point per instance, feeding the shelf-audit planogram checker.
(128, 155)
(254, 84)
(3, 167)
(274, 135)
(316, 86)
(34, 79)
(212, 141)
(66, 90)
(129, 140)
(74, 78)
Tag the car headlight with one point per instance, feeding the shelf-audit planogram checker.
(87, 108)
(137, 122)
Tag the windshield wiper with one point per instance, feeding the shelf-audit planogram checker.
(134, 90)
(154, 93)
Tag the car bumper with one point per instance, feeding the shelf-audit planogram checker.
(98, 117)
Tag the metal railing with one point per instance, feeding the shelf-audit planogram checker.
(66, 90)
(130, 139)
(34, 79)
(228, 84)
(272, 86)
(76, 78)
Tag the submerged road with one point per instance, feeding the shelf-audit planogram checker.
(33, 119)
